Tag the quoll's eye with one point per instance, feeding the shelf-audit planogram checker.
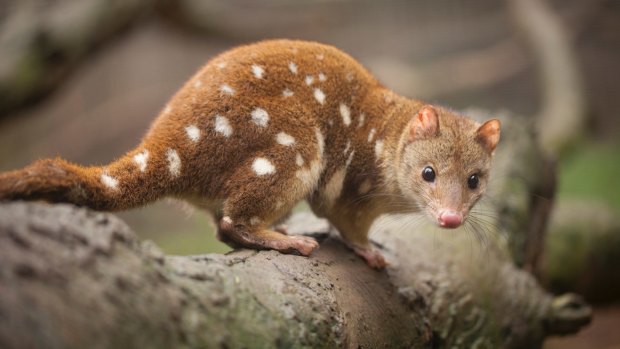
(428, 174)
(472, 181)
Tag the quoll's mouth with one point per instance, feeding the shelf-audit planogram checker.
(449, 219)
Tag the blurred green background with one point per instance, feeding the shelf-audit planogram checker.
(591, 171)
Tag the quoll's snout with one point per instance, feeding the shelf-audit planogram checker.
(450, 219)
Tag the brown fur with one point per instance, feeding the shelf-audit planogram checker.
(216, 172)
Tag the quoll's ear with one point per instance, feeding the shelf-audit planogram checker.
(488, 134)
(424, 125)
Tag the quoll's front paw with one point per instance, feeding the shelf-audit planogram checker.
(373, 258)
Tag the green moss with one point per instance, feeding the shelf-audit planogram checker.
(592, 171)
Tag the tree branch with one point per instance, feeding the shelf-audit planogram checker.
(562, 117)
(72, 278)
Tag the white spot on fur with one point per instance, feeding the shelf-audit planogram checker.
(319, 95)
(255, 220)
(361, 121)
(320, 141)
(347, 147)
(279, 204)
(221, 65)
(109, 181)
(299, 160)
(227, 220)
(287, 93)
(260, 117)
(378, 148)
(198, 83)
(333, 188)
(285, 139)
(258, 71)
(222, 125)
(320, 56)
(364, 187)
(309, 80)
(174, 162)
(349, 77)
(349, 159)
(225, 88)
(330, 122)
(262, 166)
(292, 67)
(322, 77)
(345, 112)
(141, 159)
(193, 133)
(371, 135)
(167, 109)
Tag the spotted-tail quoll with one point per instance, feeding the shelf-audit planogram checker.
(263, 126)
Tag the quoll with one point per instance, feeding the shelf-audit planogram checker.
(263, 126)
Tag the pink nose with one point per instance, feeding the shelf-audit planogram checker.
(450, 219)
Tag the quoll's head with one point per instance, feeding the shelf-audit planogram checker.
(445, 163)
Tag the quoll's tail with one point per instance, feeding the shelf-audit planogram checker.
(137, 178)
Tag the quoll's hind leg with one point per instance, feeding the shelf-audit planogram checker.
(261, 197)
(262, 238)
